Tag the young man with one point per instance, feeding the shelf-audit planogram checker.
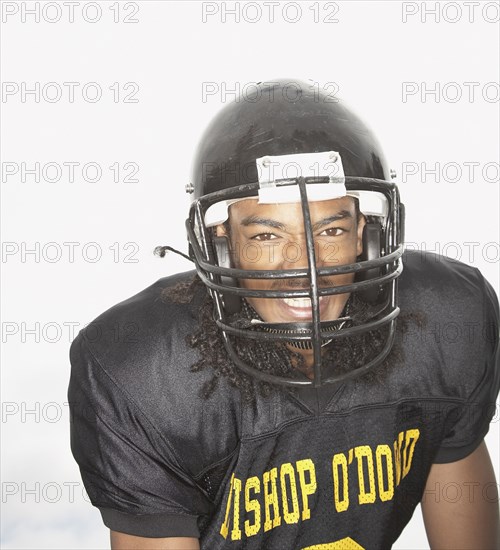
(293, 393)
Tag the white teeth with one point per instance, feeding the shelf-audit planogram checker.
(298, 302)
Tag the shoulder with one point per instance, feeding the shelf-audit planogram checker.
(456, 344)
(140, 343)
(439, 273)
(133, 362)
(142, 323)
(138, 347)
(443, 286)
(447, 332)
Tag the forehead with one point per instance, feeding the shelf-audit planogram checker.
(289, 213)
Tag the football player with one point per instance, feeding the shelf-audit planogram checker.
(294, 392)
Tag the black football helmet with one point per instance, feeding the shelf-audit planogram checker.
(333, 154)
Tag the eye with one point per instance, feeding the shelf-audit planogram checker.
(264, 237)
(332, 232)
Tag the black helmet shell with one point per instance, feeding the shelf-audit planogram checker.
(278, 118)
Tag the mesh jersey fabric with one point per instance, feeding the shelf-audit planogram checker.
(344, 465)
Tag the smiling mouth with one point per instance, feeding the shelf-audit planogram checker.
(301, 303)
(301, 308)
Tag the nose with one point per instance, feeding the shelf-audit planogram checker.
(295, 255)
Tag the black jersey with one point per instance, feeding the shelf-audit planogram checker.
(336, 467)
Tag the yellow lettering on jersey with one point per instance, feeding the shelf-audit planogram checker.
(252, 505)
(383, 457)
(339, 468)
(364, 452)
(224, 528)
(343, 544)
(288, 471)
(271, 499)
(236, 531)
(398, 444)
(351, 455)
(306, 488)
(411, 440)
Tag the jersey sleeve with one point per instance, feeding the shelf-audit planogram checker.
(482, 375)
(129, 469)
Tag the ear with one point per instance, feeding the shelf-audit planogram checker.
(220, 231)
(361, 226)
(232, 303)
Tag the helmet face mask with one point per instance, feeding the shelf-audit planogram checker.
(298, 249)
(271, 236)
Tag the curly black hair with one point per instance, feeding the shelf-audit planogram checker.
(275, 357)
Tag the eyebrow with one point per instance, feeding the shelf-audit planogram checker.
(269, 222)
(257, 220)
(342, 215)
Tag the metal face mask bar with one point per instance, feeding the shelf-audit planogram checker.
(222, 280)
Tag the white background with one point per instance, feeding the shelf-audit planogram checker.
(172, 55)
